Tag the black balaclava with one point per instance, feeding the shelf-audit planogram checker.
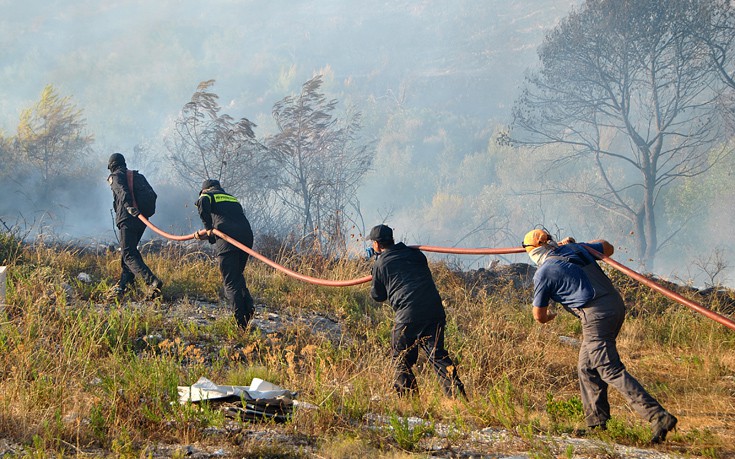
(116, 160)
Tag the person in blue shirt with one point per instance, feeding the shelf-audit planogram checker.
(568, 274)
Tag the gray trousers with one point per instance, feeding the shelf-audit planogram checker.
(599, 364)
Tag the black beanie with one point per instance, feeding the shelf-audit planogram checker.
(211, 183)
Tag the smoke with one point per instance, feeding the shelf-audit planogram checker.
(433, 80)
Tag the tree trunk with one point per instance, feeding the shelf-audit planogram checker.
(649, 232)
(308, 220)
(641, 241)
(647, 222)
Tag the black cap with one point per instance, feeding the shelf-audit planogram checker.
(381, 233)
(116, 160)
(210, 183)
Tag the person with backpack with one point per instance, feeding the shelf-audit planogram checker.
(221, 211)
(569, 275)
(132, 195)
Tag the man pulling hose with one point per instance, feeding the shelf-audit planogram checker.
(221, 211)
(569, 275)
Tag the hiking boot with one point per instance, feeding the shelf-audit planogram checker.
(154, 290)
(589, 430)
(116, 292)
(661, 426)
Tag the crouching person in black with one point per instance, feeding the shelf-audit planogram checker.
(401, 275)
(131, 231)
(221, 211)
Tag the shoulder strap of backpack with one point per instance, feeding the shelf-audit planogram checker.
(130, 187)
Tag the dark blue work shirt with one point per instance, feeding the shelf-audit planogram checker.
(402, 276)
(562, 279)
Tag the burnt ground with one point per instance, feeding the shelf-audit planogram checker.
(520, 276)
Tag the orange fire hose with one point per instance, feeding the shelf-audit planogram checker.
(663, 290)
(303, 277)
(462, 251)
(317, 281)
(429, 248)
(253, 253)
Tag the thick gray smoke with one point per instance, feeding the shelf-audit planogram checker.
(434, 82)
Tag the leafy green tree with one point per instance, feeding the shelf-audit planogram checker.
(320, 161)
(51, 137)
(629, 92)
(711, 202)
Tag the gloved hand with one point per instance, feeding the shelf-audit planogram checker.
(133, 211)
(206, 234)
(370, 252)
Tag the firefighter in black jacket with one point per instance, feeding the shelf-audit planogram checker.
(401, 275)
(131, 230)
(222, 211)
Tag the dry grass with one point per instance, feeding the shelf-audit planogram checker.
(77, 372)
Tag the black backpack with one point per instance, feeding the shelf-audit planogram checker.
(144, 198)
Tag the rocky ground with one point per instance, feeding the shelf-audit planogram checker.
(484, 443)
(487, 442)
(443, 443)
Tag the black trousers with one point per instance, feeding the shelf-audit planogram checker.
(406, 340)
(132, 261)
(231, 265)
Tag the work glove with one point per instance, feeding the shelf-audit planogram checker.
(133, 211)
(206, 234)
(370, 252)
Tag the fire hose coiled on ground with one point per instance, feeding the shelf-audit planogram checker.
(461, 251)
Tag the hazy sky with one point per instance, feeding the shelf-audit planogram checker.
(132, 64)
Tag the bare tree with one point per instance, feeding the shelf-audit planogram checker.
(713, 265)
(320, 161)
(205, 144)
(714, 25)
(628, 92)
(342, 171)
